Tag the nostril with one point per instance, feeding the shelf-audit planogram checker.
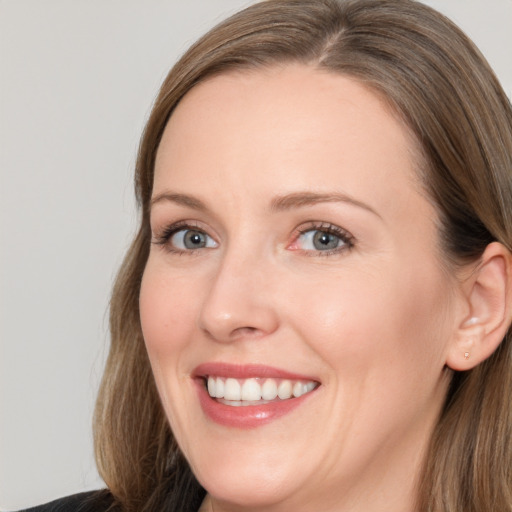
(235, 334)
(242, 332)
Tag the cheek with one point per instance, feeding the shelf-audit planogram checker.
(167, 311)
(377, 319)
(167, 318)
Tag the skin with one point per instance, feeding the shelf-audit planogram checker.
(372, 321)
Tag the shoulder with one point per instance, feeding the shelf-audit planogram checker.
(93, 501)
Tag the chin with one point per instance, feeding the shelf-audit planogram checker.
(247, 491)
(256, 483)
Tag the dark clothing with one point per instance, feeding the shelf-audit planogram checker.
(182, 494)
(92, 501)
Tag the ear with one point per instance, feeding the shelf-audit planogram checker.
(488, 298)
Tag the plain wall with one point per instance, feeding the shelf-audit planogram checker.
(77, 79)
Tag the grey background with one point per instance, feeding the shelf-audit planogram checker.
(77, 79)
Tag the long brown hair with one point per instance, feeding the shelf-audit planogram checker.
(440, 85)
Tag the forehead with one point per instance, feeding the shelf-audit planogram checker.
(294, 122)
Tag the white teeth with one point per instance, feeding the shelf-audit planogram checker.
(299, 388)
(219, 387)
(269, 390)
(211, 387)
(284, 390)
(250, 392)
(310, 386)
(232, 390)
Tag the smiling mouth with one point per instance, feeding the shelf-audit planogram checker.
(256, 390)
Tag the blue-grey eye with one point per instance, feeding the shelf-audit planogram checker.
(190, 239)
(316, 240)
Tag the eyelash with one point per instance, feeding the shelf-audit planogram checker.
(347, 240)
(168, 232)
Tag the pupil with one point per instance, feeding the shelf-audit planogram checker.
(194, 239)
(324, 241)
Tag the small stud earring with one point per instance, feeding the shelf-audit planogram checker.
(466, 355)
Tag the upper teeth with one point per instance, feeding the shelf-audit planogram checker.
(257, 389)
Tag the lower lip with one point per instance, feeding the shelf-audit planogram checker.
(245, 416)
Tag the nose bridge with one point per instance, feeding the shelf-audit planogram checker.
(238, 303)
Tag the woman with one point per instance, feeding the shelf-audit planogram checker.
(314, 314)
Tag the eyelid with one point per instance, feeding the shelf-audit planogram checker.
(347, 239)
(163, 236)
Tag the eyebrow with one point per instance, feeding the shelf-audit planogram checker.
(278, 204)
(304, 199)
(181, 199)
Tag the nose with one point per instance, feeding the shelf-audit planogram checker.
(240, 303)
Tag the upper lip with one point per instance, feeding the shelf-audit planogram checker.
(246, 371)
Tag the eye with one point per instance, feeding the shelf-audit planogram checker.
(190, 239)
(324, 238)
(183, 238)
(319, 240)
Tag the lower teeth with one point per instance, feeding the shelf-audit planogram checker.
(243, 403)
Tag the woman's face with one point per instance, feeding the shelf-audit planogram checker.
(294, 252)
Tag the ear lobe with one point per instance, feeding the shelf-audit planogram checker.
(489, 299)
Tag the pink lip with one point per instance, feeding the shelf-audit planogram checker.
(250, 416)
(246, 371)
